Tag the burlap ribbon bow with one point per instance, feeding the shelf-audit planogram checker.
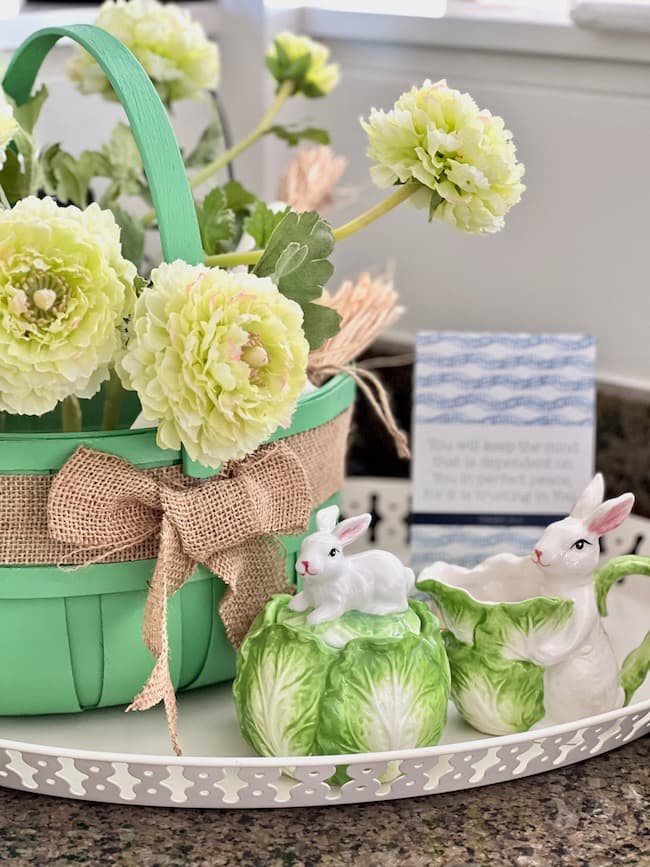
(102, 504)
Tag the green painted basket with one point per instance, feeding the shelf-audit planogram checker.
(71, 640)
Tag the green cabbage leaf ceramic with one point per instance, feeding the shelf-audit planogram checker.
(525, 637)
(354, 684)
(495, 686)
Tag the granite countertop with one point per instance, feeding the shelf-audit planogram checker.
(592, 814)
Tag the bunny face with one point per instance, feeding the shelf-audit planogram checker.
(570, 548)
(320, 555)
(567, 549)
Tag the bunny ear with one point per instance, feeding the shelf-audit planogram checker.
(611, 514)
(590, 498)
(326, 519)
(352, 528)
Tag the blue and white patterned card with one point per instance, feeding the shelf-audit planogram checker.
(503, 440)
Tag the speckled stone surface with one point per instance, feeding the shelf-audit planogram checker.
(593, 814)
(623, 442)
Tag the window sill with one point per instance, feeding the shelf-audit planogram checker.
(476, 27)
(20, 18)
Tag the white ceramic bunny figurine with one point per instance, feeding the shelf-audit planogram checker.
(582, 672)
(374, 582)
(582, 675)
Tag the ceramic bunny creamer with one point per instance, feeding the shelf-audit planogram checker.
(526, 640)
(374, 582)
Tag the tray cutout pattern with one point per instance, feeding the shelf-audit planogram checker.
(250, 783)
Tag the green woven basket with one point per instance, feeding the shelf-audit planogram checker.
(71, 640)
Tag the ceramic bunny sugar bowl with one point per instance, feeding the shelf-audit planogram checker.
(374, 582)
(348, 665)
(524, 636)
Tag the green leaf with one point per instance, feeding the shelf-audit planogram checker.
(67, 178)
(94, 164)
(494, 695)
(28, 113)
(122, 162)
(386, 695)
(12, 179)
(435, 200)
(281, 675)
(139, 284)
(208, 147)
(319, 323)
(282, 68)
(47, 160)
(221, 216)
(293, 134)
(70, 185)
(262, 222)
(296, 256)
(216, 222)
(296, 259)
(460, 612)
(352, 624)
(238, 198)
(635, 668)
(131, 235)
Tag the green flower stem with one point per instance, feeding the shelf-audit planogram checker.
(71, 414)
(113, 393)
(284, 92)
(4, 201)
(399, 195)
(229, 260)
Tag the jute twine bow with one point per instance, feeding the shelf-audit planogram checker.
(103, 504)
(374, 392)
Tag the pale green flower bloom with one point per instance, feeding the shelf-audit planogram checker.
(304, 62)
(218, 360)
(174, 50)
(8, 125)
(463, 158)
(65, 291)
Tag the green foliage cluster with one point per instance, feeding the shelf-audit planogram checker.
(296, 246)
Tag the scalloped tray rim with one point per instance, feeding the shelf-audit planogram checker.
(488, 742)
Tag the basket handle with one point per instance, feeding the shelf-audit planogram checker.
(153, 133)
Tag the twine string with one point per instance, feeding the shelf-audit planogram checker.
(375, 393)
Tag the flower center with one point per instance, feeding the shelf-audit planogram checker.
(41, 297)
(254, 355)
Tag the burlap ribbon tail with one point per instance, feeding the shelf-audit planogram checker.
(103, 504)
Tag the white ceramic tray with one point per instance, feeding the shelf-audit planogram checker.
(110, 756)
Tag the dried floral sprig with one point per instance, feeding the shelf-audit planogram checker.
(367, 307)
(309, 181)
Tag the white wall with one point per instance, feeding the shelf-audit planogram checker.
(574, 253)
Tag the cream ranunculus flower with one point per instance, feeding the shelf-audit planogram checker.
(65, 292)
(463, 158)
(174, 50)
(218, 360)
(8, 125)
(304, 62)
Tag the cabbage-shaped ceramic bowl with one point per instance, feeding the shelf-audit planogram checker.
(360, 683)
